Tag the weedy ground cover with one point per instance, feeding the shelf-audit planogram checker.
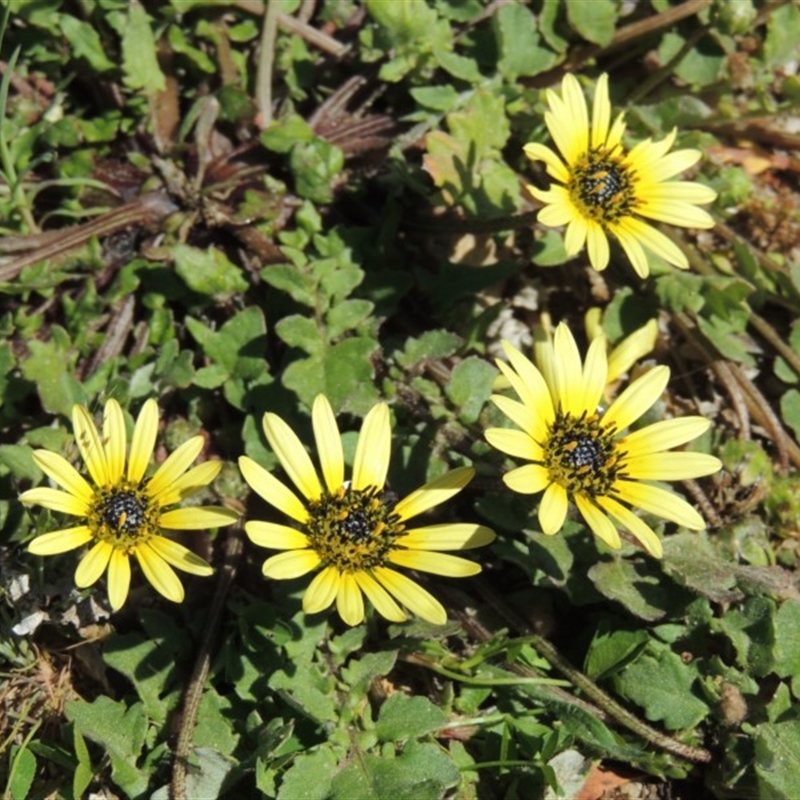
(400, 398)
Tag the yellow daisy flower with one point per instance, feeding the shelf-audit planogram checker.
(584, 453)
(354, 532)
(608, 189)
(122, 511)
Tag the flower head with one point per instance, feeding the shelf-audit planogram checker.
(122, 511)
(355, 532)
(583, 453)
(608, 189)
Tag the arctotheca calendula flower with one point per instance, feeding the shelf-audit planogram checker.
(353, 533)
(122, 511)
(582, 453)
(603, 188)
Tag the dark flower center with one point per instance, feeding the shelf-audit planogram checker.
(123, 516)
(582, 456)
(602, 186)
(353, 530)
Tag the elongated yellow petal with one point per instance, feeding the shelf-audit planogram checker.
(447, 536)
(437, 563)
(291, 564)
(329, 443)
(174, 466)
(63, 473)
(679, 466)
(660, 502)
(93, 565)
(631, 349)
(529, 479)
(50, 544)
(371, 462)
(275, 536)
(321, 591)
(637, 398)
(197, 518)
(179, 556)
(600, 524)
(595, 371)
(433, 493)
(293, 456)
(515, 443)
(379, 597)
(55, 500)
(189, 483)
(636, 525)
(601, 113)
(411, 595)
(553, 509)
(349, 600)
(115, 438)
(269, 488)
(597, 245)
(144, 440)
(663, 435)
(90, 446)
(159, 573)
(555, 166)
(119, 578)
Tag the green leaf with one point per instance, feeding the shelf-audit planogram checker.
(595, 20)
(790, 410)
(613, 650)
(700, 66)
(120, 731)
(359, 673)
(751, 629)
(282, 135)
(85, 42)
(423, 772)
(215, 726)
(787, 639)
(403, 717)
(405, 21)
(22, 773)
(436, 344)
(482, 125)
(632, 584)
(84, 771)
(347, 315)
(301, 332)
(783, 33)
(314, 166)
(206, 777)
(518, 41)
(470, 386)
(310, 776)
(51, 367)
(461, 67)
(436, 98)
(294, 280)
(208, 271)
(239, 345)
(777, 754)
(690, 560)
(308, 690)
(343, 372)
(139, 59)
(663, 686)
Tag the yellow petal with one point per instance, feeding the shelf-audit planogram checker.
(180, 556)
(631, 349)
(433, 493)
(600, 524)
(371, 462)
(63, 473)
(55, 501)
(116, 439)
(637, 526)
(197, 518)
(568, 372)
(530, 479)
(660, 502)
(437, 563)
(144, 439)
(601, 113)
(515, 443)
(93, 565)
(595, 372)
(576, 235)
(637, 398)
(349, 600)
(160, 574)
(50, 544)
(321, 591)
(555, 166)
(553, 509)
(679, 466)
(293, 456)
(597, 247)
(411, 595)
(379, 597)
(275, 536)
(663, 435)
(329, 443)
(173, 467)
(291, 564)
(189, 483)
(270, 489)
(119, 577)
(447, 536)
(90, 445)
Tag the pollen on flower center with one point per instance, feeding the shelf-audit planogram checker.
(581, 454)
(602, 186)
(123, 517)
(352, 530)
